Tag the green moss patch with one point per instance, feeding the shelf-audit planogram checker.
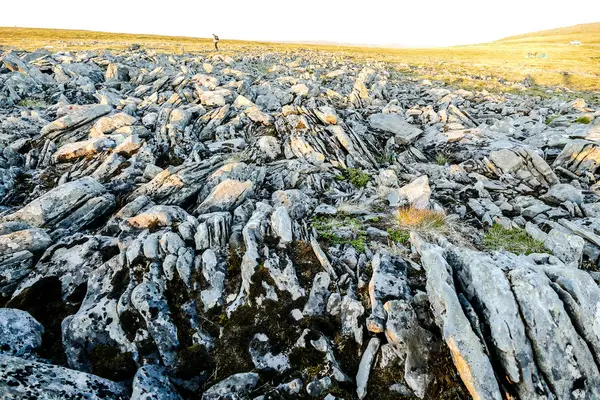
(398, 235)
(328, 228)
(355, 176)
(583, 120)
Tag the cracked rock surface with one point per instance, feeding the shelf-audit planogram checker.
(278, 225)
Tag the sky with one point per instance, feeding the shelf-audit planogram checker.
(376, 22)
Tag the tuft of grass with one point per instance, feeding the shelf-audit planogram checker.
(386, 158)
(514, 240)
(327, 226)
(420, 220)
(398, 235)
(441, 159)
(550, 119)
(32, 103)
(583, 120)
(355, 176)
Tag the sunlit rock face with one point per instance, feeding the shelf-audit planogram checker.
(291, 225)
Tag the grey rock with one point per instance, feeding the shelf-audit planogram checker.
(485, 284)
(20, 333)
(402, 329)
(317, 299)
(24, 378)
(225, 196)
(364, 368)
(153, 307)
(561, 354)
(568, 248)
(33, 240)
(404, 132)
(351, 311)
(70, 206)
(284, 276)
(282, 225)
(74, 120)
(263, 358)
(72, 259)
(318, 387)
(562, 192)
(474, 367)
(237, 385)
(291, 388)
(387, 282)
(150, 382)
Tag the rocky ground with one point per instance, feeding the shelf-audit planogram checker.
(291, 226)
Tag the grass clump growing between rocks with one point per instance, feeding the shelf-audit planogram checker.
(514, 240)
(550, 119)
(441, 159)
(355, 176)
(32, 103)
(398, 235)
(584, 120)
(342, 229)
(421, 220)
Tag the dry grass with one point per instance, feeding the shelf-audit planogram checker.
(420, 220)
(476, 66)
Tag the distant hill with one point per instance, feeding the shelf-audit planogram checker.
(586, 33)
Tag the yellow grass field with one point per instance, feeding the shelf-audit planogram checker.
(474, 66)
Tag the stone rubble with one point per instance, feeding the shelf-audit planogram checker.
(246, 227)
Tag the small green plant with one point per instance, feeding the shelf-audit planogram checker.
(398, 235)
(514, 240)
(359, 244)
(441, 159)
(583, 120)
(32, 103)
(327, 227)
(550, 119)
(387, 157)
(355, 176)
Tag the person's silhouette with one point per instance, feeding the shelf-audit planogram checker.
(216, 41)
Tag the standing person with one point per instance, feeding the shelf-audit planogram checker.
(216, 41)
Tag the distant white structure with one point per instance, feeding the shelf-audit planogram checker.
(575, 43)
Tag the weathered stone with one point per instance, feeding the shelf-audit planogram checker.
(317, 299)
(236, 385)
(20, 333)
(561, 354)
(24, 379)
(364, 368)
(150, 383)
(485, 284)
(154, 309)
(404, 132)
(468, 354)
(71, 205)
(225, 196)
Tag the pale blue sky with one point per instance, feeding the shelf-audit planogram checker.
(383, 22)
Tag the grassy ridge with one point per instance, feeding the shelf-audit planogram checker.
(588, 34)
(475, 66)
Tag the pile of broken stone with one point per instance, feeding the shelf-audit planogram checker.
(157, 239)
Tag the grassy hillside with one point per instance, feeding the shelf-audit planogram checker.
(497, 65)
(588, 34)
